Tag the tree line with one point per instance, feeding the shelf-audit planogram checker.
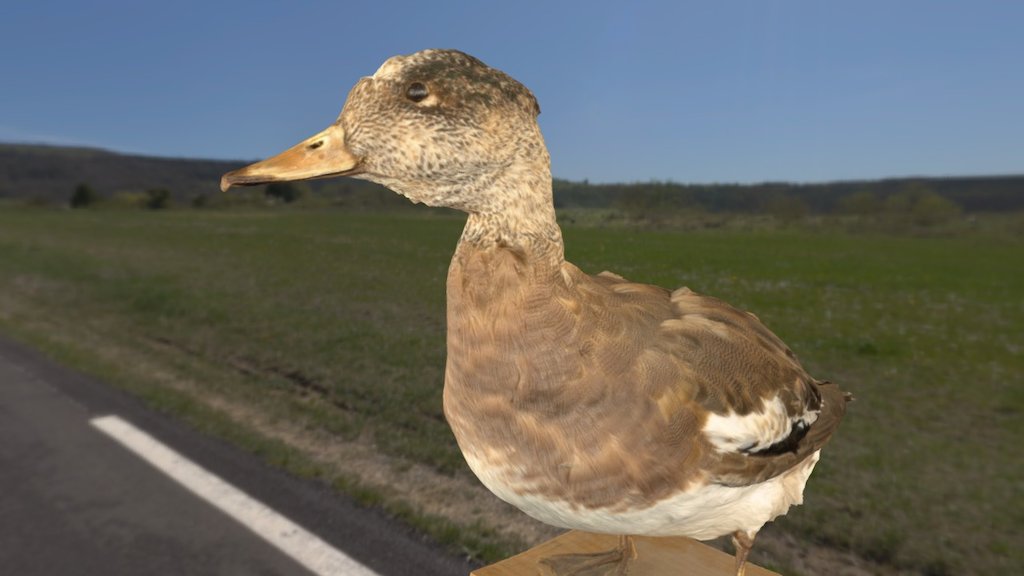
(924, 200)
(51, 175)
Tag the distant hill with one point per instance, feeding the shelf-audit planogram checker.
(50, 173)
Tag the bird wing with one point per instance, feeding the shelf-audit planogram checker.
(760, 413)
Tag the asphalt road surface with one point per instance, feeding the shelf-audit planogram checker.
(93, 483)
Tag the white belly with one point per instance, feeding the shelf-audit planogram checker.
(703, 513)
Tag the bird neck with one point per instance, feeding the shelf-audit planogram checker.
(522, 219)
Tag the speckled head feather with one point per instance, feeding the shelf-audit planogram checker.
(446, 147)
(465, 79)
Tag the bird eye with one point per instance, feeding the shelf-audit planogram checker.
(417, 92)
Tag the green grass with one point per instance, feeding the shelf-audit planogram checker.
(336, 321)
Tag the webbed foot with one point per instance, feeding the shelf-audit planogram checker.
(615, 562)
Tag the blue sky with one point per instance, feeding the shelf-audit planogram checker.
(721, 91)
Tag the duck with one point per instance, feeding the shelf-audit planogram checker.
(589, 402)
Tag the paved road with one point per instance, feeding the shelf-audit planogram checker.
(73, 501)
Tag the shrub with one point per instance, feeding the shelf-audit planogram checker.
(83, 196)
(283, 192)
(158, 198)
(931, 209)
(126, 199)
(922, 206)
(863, 203)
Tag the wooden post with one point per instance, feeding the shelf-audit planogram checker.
(655, 557)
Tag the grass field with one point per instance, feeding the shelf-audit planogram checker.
(330, 325)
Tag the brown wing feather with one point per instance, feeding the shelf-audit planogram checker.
(727, 360)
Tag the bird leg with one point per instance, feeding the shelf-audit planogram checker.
(613, 562)
(743, 541)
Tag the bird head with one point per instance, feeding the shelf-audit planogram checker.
(437, 126)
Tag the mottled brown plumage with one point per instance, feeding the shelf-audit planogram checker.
(588, 401)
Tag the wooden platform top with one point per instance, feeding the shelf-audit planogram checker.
(655, 557)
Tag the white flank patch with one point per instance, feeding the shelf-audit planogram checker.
(703, 513)
(751, 432)
(301, 545)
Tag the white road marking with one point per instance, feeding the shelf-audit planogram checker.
(301, 545)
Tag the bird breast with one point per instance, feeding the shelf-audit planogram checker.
(553, 379)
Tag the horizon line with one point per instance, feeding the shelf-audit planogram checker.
(584, 181)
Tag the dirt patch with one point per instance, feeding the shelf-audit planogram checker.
(775, 547)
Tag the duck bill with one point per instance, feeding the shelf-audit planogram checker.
(321, 156)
